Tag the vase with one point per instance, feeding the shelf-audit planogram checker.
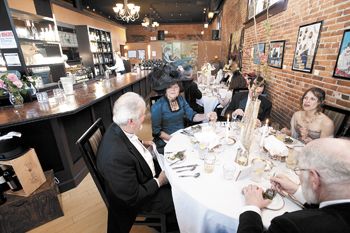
(16, 99)
(249, 122)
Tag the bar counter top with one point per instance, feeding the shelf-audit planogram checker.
(84, 96)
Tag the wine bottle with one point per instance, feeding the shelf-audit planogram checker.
(3, 184)
(11, 179)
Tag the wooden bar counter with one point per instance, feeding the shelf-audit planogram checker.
(53, 128)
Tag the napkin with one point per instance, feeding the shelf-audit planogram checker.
(275, 146)
(208, 137)
(10, 135)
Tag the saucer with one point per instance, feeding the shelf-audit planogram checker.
(277, 203)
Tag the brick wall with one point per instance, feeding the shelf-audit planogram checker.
(137, 33)
(286, 86)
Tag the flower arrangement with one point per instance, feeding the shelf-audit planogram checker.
(11, 85)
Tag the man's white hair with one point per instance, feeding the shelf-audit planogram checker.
(330, 157)
(129, 106)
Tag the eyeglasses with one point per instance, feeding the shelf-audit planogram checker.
(298, 170)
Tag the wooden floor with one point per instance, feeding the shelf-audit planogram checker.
(83, 207)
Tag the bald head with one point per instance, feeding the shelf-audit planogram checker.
(330, 157)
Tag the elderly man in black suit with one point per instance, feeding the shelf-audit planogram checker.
(240, 99)
(133, 179)
(324, 172)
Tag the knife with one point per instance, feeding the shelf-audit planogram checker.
(191, 165)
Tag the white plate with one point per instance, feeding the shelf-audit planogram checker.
(169, 157)
(277, 203)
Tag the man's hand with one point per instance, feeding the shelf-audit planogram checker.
(162, 179)
(238, 112)
(147, 143)
(254, 196)
(281, 182)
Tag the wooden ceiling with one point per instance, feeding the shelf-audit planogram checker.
(163, 11)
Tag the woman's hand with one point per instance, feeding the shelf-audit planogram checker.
(286, 131)
(212, 116)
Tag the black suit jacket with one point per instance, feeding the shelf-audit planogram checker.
(265, 105)
(128, 179)
(329, 219)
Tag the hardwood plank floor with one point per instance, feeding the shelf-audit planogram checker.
(83, 207)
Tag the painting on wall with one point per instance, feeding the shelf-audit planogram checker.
(258, 50)
(180, 53)
(306, 47)
(276, 52)
(260, 6)
(235, 47)
(342, 66)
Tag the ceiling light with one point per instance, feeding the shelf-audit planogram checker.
(206, 25)
(127, 12)
(149, 23)
(210, 15)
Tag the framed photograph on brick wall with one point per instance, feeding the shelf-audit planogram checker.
(276, 53)
(306, 47)
(258, 50)
(342, 66)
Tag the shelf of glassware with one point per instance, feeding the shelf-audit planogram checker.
(38, 39)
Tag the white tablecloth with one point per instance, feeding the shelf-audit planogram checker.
(210, 203)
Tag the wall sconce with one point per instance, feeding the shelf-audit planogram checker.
(210, 15)
(202, 32)
(206, 25)
(166, 32)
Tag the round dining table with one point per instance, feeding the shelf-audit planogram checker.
(207, 202)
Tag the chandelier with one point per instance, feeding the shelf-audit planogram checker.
(149, 23)
(127, 11)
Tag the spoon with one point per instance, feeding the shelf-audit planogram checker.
(188, 169)
(195, 175)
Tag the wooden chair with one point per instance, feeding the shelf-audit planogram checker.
(341, 119)
(88, 145)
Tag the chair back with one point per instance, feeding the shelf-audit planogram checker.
(340, 119)
(88, 145)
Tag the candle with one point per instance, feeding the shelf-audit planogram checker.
(227, 127)
(264, 132)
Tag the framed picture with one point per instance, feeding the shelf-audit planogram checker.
(141, 54)
(260, 6)
(132, 54)
(342, 66)
(306, 47)
(258, 50)
(276, 52)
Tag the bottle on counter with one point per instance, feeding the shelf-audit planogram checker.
(3, 184)
(12, 179)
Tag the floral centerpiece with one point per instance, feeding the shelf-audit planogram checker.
(206, 72)
(14, 87)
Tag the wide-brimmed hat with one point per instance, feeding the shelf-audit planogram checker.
(162, 81)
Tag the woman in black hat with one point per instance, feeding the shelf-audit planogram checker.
(169, 111)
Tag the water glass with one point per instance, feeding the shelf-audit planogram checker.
(58, 93)
(42, 97)
(229, 171)
(209, 163)
(258, 168)
(291, 160)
